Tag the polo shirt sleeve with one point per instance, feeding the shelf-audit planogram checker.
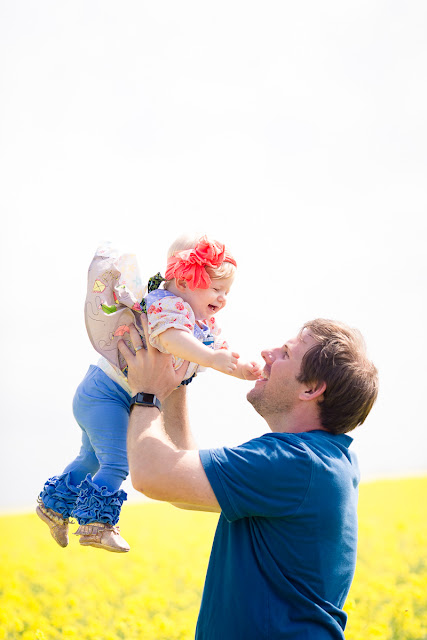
(267, 476)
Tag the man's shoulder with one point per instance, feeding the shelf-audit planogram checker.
(270, 448)
(281, 441)
(267, 476)
(316, 448)
(284, 452)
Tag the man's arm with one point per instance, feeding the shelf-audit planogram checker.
(177, 428)
(160, 466)
(160, 470)
(175, 419)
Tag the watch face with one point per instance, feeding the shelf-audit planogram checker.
(146, 398)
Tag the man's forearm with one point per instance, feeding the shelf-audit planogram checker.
(162, 466)
(153, 438)
(175, 419)
(148, 446)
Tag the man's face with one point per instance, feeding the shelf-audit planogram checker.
(278, 392)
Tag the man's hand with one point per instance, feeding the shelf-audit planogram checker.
(149, 370)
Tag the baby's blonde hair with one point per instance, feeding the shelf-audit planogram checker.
(184, 242)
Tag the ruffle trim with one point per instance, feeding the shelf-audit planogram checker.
(184, 383)
(97, 504)
(59, 495)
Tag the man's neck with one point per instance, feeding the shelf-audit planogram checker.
(292, 423)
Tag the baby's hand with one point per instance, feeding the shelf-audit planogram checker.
(251, 370)
(225, 361)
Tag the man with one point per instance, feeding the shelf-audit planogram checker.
(284, 552)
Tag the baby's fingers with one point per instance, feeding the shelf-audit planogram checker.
(256, 368)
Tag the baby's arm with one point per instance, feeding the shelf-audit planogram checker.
(184, 345)
(248, 371)
(244, 370)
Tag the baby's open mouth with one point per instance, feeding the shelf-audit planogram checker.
(212, 307)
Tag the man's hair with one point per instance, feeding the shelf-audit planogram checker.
(339, 359)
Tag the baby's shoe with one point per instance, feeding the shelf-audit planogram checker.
(57, 524)
(102, 535)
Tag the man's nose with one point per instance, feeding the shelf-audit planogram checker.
(267, 354)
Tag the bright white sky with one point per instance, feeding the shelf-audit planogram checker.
(294, 132)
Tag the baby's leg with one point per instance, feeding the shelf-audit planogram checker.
(100, 497)
(86, 462)
(73, 492)
(59, 495)
(55, 505)
(102, 409)
(60, 492)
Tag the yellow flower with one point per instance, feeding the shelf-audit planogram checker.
(154, 592)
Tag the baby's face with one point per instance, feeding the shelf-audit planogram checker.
(207, 302)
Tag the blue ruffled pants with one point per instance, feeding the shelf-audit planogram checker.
(89, 487)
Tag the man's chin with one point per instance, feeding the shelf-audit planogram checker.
(250, 395)
(254, 399)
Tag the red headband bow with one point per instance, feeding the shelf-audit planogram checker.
(190, 264)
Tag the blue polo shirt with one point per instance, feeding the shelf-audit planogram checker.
(284, 551)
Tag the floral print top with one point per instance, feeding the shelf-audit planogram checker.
(167, 311)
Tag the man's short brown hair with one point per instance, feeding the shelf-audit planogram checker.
(339, 359)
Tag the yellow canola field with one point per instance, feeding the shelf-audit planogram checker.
(388, 598)
(154, 591)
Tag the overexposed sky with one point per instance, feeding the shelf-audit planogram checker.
(294, 132)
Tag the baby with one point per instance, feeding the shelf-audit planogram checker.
(181, 311)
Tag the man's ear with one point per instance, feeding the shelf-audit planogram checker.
(181, 284)
(315, 392)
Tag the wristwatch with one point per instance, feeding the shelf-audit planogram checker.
(146, 400)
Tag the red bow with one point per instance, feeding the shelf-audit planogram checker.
(190, 264)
